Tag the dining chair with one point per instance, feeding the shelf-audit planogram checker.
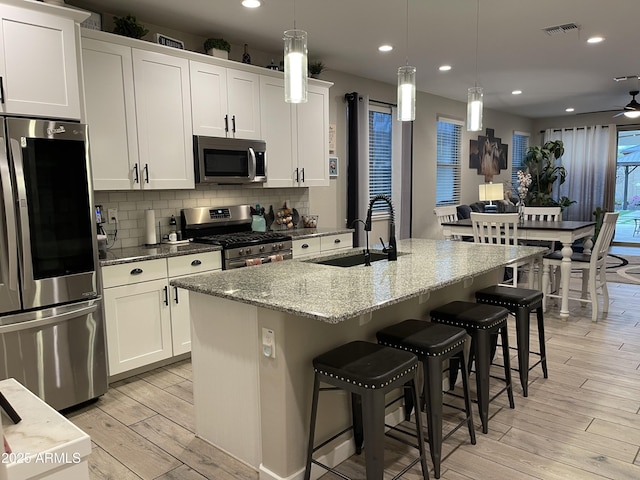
(545, 214)
(448, 213)
(541, 214)
(497, 228)
(594, 275)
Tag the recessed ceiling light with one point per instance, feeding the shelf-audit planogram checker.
(385, 48)
(570, 109)
(444, 68)
(595, 39)
(516, 92)
(251, 3)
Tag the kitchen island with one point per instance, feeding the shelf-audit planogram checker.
(256, 330)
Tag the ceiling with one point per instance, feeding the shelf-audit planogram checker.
(513, 52)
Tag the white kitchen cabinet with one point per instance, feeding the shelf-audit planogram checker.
(297, 136)
(111, 114)
(148, 320)
(180, 267)
(306, 247)
(138, 107)
(225, 101)
(137, 315)
(38, 62)
(163, 120)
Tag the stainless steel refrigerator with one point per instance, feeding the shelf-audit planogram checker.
(51, 324)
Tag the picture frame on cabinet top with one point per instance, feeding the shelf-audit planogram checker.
(94, 22)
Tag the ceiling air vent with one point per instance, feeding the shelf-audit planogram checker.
(558, 29)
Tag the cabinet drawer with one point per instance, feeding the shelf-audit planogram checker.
(195, 263)
(306, 246)
(335, 242)
(135, 272)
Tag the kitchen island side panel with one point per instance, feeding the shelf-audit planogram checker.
(285, 382)
(225, 360)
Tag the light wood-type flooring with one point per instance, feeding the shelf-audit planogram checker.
(582, 422)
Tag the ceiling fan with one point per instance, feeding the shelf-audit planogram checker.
(631, 109)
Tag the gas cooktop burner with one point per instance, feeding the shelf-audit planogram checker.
(242, 239)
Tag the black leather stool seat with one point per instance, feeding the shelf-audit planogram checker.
(510, 297)
(422, 338)
(482, 322)
(369, 371)
(520, 302)
(470, 315)
(365, 364)
(434, 343)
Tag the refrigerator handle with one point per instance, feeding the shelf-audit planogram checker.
(9, 210)
(41, 322)
(1, 90)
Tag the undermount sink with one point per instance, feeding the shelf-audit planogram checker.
(351, 260)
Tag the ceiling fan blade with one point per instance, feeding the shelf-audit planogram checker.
(618, 114)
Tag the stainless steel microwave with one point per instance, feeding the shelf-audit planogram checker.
(229, 160)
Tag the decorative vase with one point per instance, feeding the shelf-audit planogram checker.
(214, 52)
(521, 211)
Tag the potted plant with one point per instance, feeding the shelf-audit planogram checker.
(316, 68)
(217, 47)
(129, 27)
(540, 162)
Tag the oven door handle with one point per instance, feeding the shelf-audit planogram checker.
(252, 164)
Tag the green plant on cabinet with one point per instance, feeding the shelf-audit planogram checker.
(128, 26)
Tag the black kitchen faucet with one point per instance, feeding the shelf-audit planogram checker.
(391, 250)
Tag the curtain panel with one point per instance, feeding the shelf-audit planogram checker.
(590, 166)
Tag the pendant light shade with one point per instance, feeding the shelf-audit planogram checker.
(474, 109)
(406, 93)
(295, 66)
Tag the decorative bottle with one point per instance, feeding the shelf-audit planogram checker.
(246, 58)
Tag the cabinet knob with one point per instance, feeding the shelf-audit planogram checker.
(337, 240)
(305, 245)
(136, 271)
(196, 263)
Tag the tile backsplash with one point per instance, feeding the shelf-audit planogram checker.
(132, 204)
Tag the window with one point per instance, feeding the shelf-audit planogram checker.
(448, 162)
(520, 143)
(380, 155)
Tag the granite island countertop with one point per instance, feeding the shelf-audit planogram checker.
(334, 294)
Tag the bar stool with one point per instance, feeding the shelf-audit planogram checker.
(433, 343)
(520, 302)
(369, 371)
(481, 322)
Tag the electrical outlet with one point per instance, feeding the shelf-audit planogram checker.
(113, 215)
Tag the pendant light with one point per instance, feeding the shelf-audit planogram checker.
(407, 85)
(474, 95)
(295, 64)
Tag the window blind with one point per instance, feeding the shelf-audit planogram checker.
(380, 155)
(520, 142)
(448, 161)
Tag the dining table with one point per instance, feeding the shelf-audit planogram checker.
(565, 232)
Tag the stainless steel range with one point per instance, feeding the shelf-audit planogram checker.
(230, 227)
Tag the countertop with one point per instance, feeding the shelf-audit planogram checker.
(40, 435)
(334, 294)
(117, 256)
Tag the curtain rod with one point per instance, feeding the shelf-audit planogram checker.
(383, 103)
(571, 128)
